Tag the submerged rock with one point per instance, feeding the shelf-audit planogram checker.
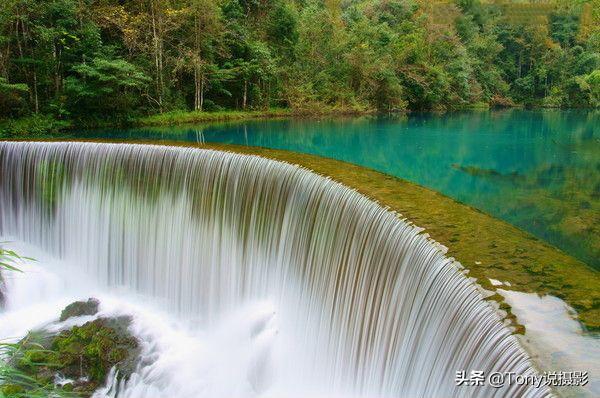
(80, 308)
(481, 172)
(80, 358)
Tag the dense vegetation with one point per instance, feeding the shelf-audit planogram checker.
(72, 362)
(99, 61)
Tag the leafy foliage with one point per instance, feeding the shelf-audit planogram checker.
(104, 85)
(110, 60)
(82, 356)
(8, 259)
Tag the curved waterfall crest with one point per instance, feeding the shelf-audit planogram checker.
(366, 304)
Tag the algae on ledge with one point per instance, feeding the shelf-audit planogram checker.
(488, 247)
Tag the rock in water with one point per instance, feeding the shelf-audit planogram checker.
(80, 308)
(80, 358)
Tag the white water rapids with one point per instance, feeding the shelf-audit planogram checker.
(252, 278)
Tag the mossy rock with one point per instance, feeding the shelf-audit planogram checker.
(80, 308)
(85, 353)
(96, 347)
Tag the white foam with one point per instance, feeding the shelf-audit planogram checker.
(556, 338)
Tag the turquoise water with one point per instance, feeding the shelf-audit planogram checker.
(539, 170)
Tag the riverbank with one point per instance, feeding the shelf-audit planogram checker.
(189, 117)
(192, 117)
(46, 126)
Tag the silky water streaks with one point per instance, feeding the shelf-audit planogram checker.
(358, 301)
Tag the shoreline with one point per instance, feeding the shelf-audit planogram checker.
(45, 126)
(177, 118)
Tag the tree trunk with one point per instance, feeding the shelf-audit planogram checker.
(198, 75)
(36, 100)
(56, 53)
(268, 104)
(157, 55)
(198, 90)
(245, 98)
(201, 92)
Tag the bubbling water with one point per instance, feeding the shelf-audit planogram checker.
(355, 300)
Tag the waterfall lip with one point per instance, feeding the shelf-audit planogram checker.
(183, 147)
(186, 148)
(450, 268)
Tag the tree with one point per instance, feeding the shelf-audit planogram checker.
(593, 82)
(205, 39)
(12, 100)
(105, 86)
(254, 70)
(311, 55)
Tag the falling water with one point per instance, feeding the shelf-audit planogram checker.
(358, 301)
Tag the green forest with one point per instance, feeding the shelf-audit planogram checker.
(99, 62)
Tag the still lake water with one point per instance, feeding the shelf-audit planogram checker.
(538, 170)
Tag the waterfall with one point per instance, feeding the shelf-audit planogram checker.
(366, 305)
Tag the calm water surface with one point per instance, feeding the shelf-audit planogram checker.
(539, 170)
